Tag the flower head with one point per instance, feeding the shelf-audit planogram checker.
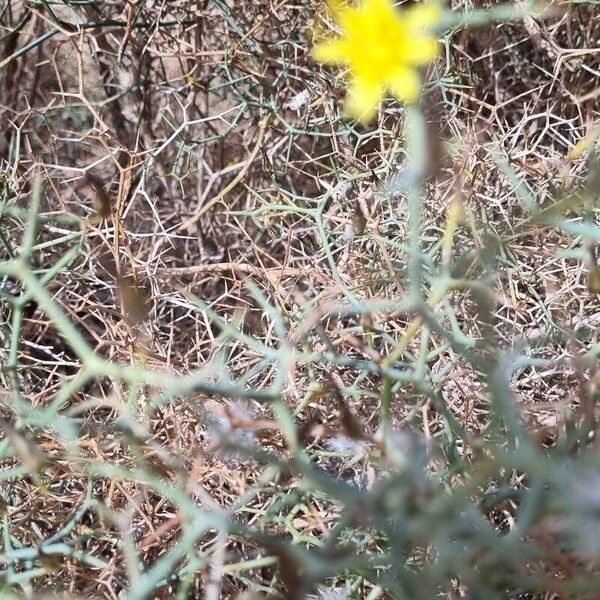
(383, 48)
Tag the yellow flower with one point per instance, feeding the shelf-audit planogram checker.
(383, 47)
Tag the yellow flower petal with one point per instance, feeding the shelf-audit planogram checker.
(353, 23)
(331, 52)
(423, 50)
(379, 10)
(382, 46)
(405, 85)
(363, 98)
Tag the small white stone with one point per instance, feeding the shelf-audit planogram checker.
(298, 101)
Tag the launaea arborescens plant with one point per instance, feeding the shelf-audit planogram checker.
(383, 47)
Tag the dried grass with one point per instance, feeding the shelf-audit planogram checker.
(191, 149)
